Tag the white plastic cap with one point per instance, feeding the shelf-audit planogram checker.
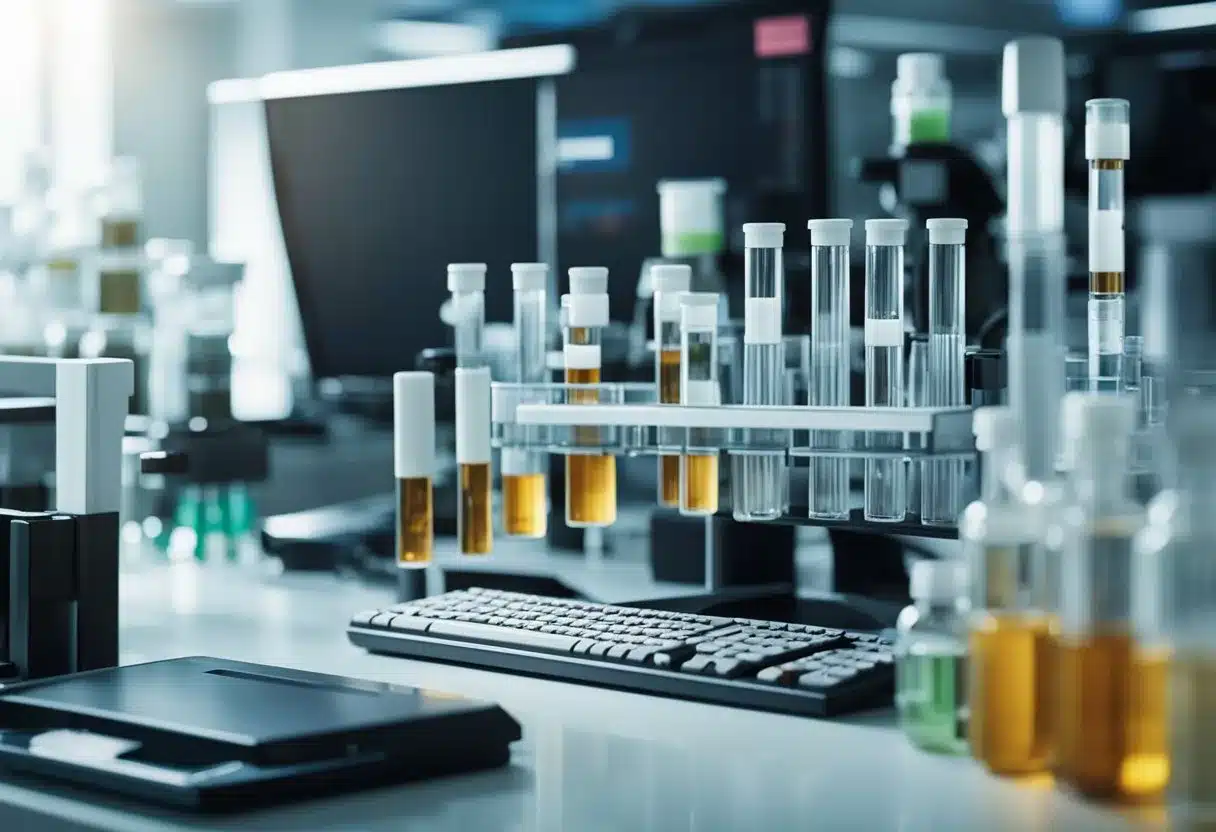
(886, 232)
(671, 277)
(529, 277)
(833, 232)
(936, 580)
(946, 231)
(919, 69)
(467, 277)
(1032, 76)
(699, 310)
(413, 425)
(994, 427)
(1107, 130)
(763, 235)
(709, 187)
(588, 280)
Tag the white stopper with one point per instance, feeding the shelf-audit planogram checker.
(529, 277)
(886, 232)
(586, 311)
(1032, 76)
(914, 70)
(936, 581)
(1107, 130)
(413, 425)
(946, 231)
(763, 235)
(833, 232)
(588, 280)
(699, 310)
(994, 427)
(671, 277)
(467, 277)
(473, 415)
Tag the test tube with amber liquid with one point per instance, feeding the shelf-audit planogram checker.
(414, 466)
(590, 476)
(670, 281)
(525, 494)
(474, 512)
(699, 386)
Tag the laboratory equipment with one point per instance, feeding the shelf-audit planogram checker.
(117, 288)
(670, 281)
(691, 221)
(1094, 643)
(1009, 643)
(942, 481)
(920, 101)
(885, 480)
(1033, 98)
(828, 496)
(591, 474)
(759, 477)
(474, 515)
(916, 377)
(414, 464)
(467, 283)
(699, 385)
(1107, 147)
(525, 500)
(931, 658)
(796, 669)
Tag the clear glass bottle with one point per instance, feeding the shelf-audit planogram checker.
(931, 658)
(920, 100)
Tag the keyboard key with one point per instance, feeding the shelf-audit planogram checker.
(697, 664)
(815, 680)
(362, 619)
(619, 651)
(600, 648)
(410, 624)
(382, 620)
(503, 635)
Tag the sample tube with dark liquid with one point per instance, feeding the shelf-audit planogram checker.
(670, 281)
(474, 512)
(525, 497)
(590, 475)
(414, 466)
(699, 386)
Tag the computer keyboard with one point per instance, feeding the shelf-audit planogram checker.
(774, 666)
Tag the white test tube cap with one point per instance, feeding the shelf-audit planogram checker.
(994, 427)
(466, 277)
(413, 425)
(919, 69)
(832, 232)
(671, 277)
(473, 407)
(1107, 129)
(936, 580)
(529, 277)
(1107, 418)
(1032, 76)
(946, 231)
(763, 235)
(699, 310)
(886, 232)
(588, 280)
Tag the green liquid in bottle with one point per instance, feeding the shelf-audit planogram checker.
(931, 694)
(929, 127)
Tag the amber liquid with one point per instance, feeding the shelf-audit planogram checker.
(1146, 766)
(590, 478)
(1192, 740)
(119, 233)
(415, 522)
(669, 393)
(700, 484)
(1106, 283)
(525, 505)
(669, 480)
(1010, 688)
(119, 292)
(474, 520)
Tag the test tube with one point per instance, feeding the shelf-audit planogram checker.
(467, 283)
(828, 498)
(759, 489)
(942, 480)
(670, 281)
(525, 505)
(414, 464)
(590, 477)
(699, 386)
(1107, 147)
(474, 512)
(885, 481)
(1033, 97)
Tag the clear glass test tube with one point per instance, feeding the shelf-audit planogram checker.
(590, 477)
(759, 476)
(1107, 146)
(828, 496)
(699, 385)
(885, 480)
(414, 466)
(670, 281)
(525, 493)
(467, 283)
(942, 480)
(474, 515)
(916, 377)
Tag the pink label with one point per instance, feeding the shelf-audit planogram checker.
(778, 37)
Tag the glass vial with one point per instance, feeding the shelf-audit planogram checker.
(759, 487)
(1009, 642)
(474, 512)
(828, 497)
(414, 466)
(467, 283)
(525, 501)
(920, 101)
(885, 481)
(670, 281)
(591, 476)
(119, 275)
(931, 658)
(1107, 147)
(699, 386)
(942, 483)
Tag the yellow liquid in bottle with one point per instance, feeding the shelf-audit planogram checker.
(415, 523)
(1146, 765)
(590, 478)
(700, 495)
(474, 520)
(669, 480)
(1011, 683)
(1192, 740)
(525, 505)
(669, 393)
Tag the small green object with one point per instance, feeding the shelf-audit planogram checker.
(689, 244)
(930, 693)
(929, 127)
(242, 513)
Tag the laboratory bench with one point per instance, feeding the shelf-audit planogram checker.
(590, 759)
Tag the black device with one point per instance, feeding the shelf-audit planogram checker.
(210, 734)
(790, 668)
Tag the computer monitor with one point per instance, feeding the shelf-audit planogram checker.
(383, 175)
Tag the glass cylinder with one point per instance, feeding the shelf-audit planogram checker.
(828, 496)
(1107, 147)
(670, 281)
(885, 480)
(467, 283)
(699, 385)
(525, 493)
(590, 475)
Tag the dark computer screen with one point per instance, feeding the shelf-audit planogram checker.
(378, 191)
